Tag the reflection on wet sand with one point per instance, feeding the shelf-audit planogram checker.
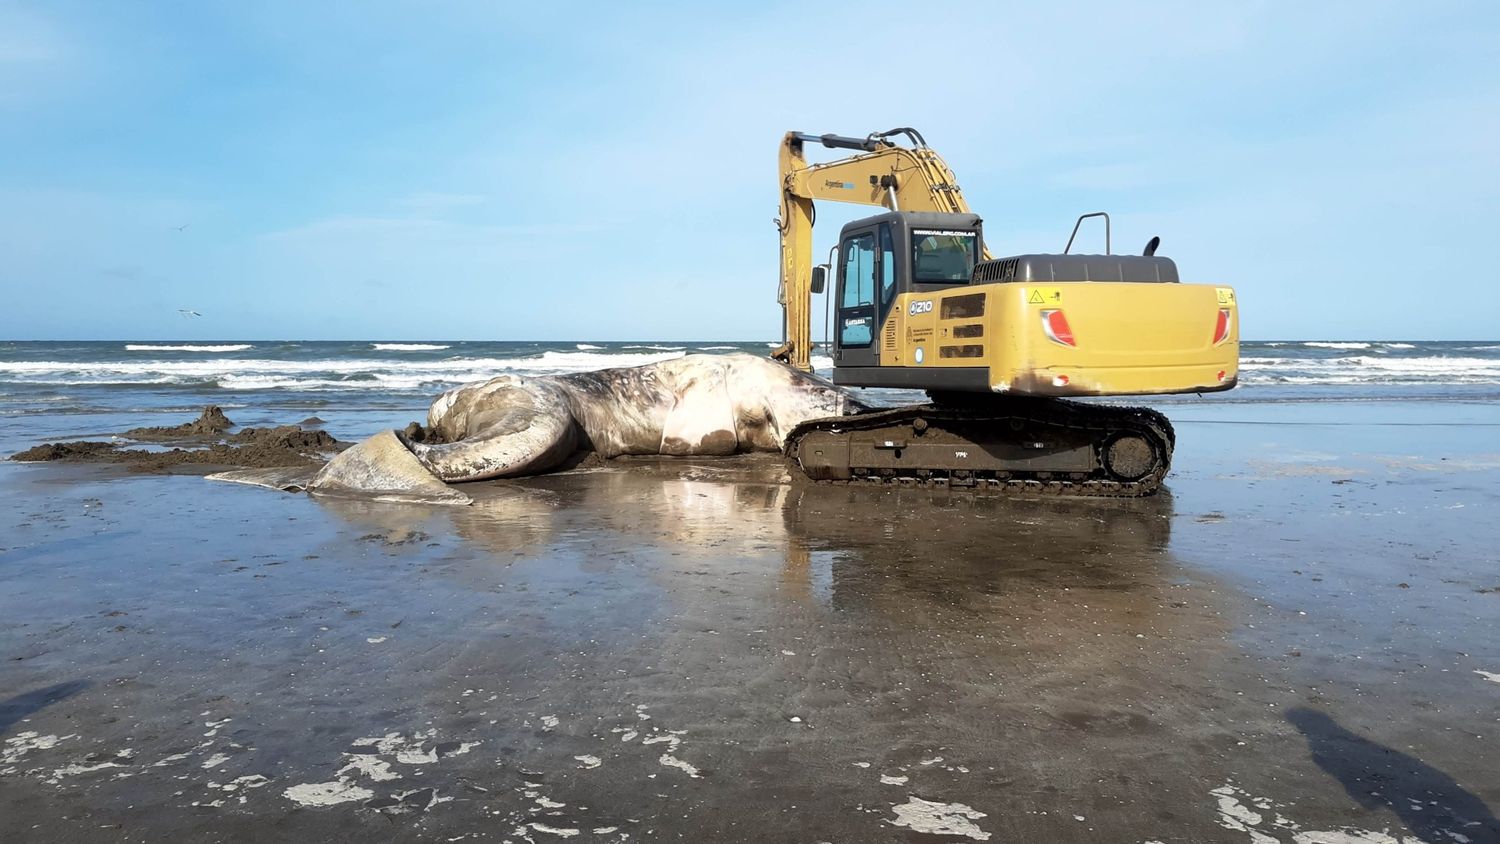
(508, 520)
(937, 541)
(833, 539)
(846, 546)
(1040, 592)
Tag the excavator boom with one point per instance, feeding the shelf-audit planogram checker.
(882, 174)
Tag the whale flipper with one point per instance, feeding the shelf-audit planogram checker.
(289, 479)
(383, 468)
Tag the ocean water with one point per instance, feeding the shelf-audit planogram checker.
(56, 390)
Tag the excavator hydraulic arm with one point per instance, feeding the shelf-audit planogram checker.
(881, 174)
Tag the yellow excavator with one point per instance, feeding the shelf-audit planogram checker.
(998, 345)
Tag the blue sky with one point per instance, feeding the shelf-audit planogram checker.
(574, 171)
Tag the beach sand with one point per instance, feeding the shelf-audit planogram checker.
(1298, 639)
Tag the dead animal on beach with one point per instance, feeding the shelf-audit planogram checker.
(511, 425)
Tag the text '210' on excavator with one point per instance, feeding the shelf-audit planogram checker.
(997, 344)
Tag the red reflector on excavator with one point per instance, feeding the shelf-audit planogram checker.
(1056, 326)
(1221, 329)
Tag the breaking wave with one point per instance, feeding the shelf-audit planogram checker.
(1370, 369)
(35, 370)
(326, 374)
(231, 347)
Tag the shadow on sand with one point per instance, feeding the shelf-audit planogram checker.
(25, 704)
(1431, 804)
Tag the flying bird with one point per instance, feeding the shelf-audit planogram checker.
(187, 313)
(181, 227)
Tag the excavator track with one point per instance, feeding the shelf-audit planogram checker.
(992, 445)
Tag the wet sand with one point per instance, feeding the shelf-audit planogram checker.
(1297, 643)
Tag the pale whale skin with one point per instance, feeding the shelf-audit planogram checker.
(514, 425)
(693, 405)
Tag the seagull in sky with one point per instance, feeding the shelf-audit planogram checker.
(181, 227)
(187, 313)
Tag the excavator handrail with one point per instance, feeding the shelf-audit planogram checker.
(1079, 222)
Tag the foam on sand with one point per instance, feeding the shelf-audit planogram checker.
(920, 815)
(327, 793)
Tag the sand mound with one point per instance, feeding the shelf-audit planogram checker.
(210, 423)
(254, 448)
(76, 451)
(285, 437)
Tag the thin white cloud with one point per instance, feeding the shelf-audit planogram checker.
(378, 231)
(437, 203)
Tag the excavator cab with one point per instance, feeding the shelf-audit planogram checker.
(883, 257)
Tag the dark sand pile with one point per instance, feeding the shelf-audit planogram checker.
(211, 423)
(255, 448)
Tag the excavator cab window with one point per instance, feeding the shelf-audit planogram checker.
(857, 293)
(943, 256)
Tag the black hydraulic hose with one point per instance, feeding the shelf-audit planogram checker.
(914, 135)
(869, 143)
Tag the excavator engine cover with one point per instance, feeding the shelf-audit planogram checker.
(1050, 268)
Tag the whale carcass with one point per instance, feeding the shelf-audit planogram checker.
(515, 425)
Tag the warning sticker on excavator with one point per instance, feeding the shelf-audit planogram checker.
(1226, 295)
(1044, 296)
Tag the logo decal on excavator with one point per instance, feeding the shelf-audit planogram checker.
(942, 232)
(840, 185)
(921, 307)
